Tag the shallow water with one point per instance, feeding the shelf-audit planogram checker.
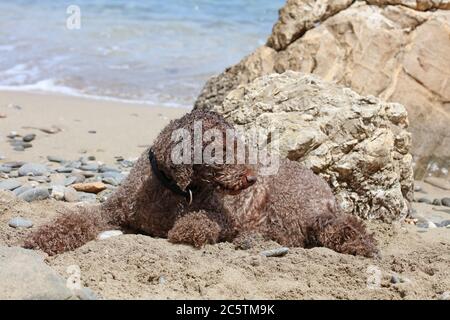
(155, 52)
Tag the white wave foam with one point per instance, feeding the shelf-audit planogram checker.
(49, 86)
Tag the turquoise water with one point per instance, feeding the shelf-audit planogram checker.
(155, 52)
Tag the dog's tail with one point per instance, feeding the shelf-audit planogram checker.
(68, 231)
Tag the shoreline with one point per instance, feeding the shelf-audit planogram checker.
(135, 126)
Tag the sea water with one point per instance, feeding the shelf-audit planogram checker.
(153, 52)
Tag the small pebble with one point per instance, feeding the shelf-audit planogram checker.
(87, 197)
(417, 188)
(39, 179)
(110, 181)
(108, 234)
(104, 169)
(55, 159)
(22, 189)
(58, 192)
(12, 134)
(19, 148)
(444, 223)
(10, 184)
(27, 145)
(64, 170)
(445, 202)
(89, 167)
(424, 200)
(92, 131)
(437, 202)
(275, 252)
(70, 180)
(33, 169)
(71, 195)
(91, 158)
(19, 222)
(5, 169)
(29, 137)
(14, 164)
(35, 194)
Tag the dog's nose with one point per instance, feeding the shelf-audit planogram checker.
(251, 179)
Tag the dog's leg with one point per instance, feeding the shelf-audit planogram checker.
(196, 229)
(342, 233)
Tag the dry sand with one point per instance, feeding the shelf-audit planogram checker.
(121, 129)
(414, 263)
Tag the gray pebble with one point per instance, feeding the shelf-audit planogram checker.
(91, 158)
(110, 181)
(437, 202)
(74, 164)
(114, 175)
(19, 222)
(9, 184)
(70, 180)
(90, 167)
(64, 170)
(443, 224)
(445, 202)
(5, 169)
(87, 197)
(424, 200)
(108, 169)
(27, 145)
(275, 252)
(71, 195)
(39, 179)
(16, 143)
(35, 194)
(14, 164)
(14, 174)
(417, 188)
(92, 131)
(87, 174)
(22, 189)
(55, 159)
(79, 177)
(33, 169)
(127, 163)
(19, 148)
(29, 137)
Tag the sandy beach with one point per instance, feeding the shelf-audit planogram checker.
(413, 263)
(117, 129)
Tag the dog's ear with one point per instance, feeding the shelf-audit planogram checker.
(182, 174)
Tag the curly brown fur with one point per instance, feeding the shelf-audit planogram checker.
(294, 207)
(67, 232)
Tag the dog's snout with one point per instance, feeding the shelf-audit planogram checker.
(251, 179)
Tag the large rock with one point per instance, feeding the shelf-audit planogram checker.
(24, 275)
(397, 50)
(359, 144)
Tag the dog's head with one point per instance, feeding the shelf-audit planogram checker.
(200, 150)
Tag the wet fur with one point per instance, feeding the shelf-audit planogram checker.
(294, 207)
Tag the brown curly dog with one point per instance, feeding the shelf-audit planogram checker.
(198, 204)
